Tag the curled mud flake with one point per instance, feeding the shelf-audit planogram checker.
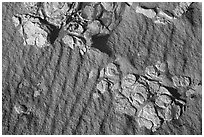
(82, 51)
(74, 28)
(94, 28)
(164, 15)
(146, 12)
(102, 73)
(142, 80)
(73, 7)
(163, 101)
(185, 81)
(103, 86)
(129, 3)
(181, 8)
(107, 19)
(138, 97)
(156, 124)
(40, 40)
(153, 86)
(107, 6)
(114, 17)
(175, 80)
(159, 20)
(142, 122)
(163, 90)
(176, 111)
(141, 89)
(30, 33)
(98, 10)
(190, 92)
(162, 18)
(88, 12)
(104, 31)
(111, 70)
(78, 42)
(150, 72)
(82, 47)
(180, 102)
(20, 109)
(55, 12)
(171, 112)
(148, 112)
(89, 41)
(26, 18)
(181, 81)
(115, 86)
(16, 21)
(168, 113)
(31, 7)
(21, 32)
(128, 81)
(34, 35)
(126, 92)
(161, 113)
(68, 40)
(123, 106)
(160, 66)
(30, 4)
(134, 102)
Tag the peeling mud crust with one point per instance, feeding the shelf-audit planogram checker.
(102, 68)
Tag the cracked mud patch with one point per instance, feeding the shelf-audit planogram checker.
(101, 68)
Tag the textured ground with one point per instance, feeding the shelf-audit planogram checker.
(67, 80)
